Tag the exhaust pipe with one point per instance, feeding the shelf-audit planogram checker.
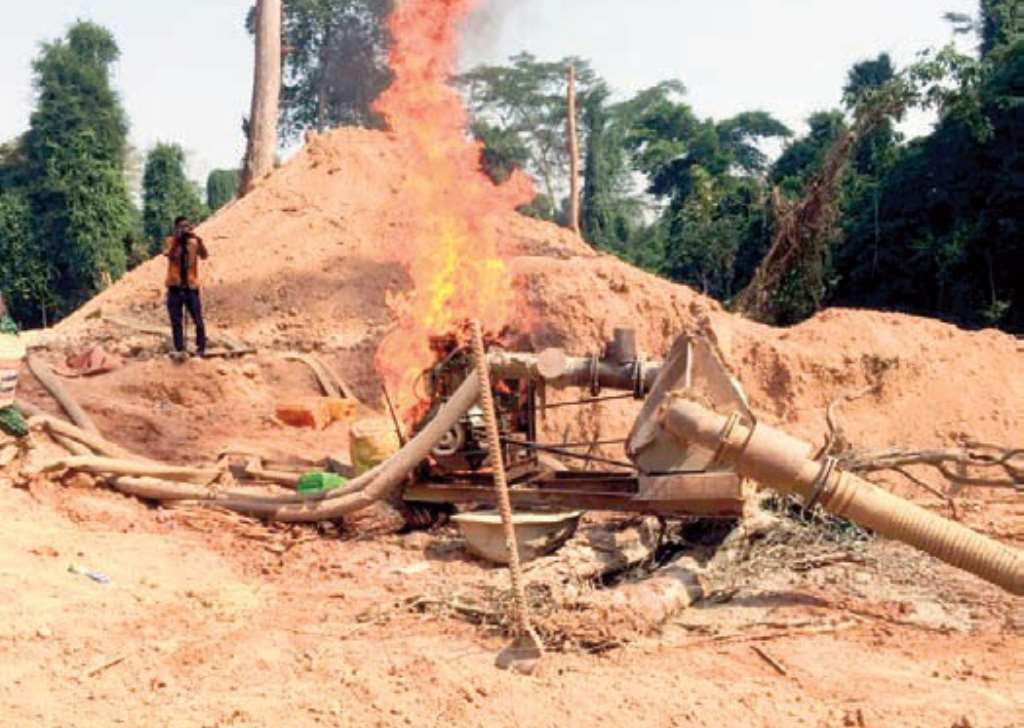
(775, 459)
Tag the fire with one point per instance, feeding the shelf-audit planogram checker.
(452, 251)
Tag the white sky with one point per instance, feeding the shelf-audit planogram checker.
(186, 66)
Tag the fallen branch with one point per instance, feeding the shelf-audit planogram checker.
(971, 456)
(836, 441)
(955, 464)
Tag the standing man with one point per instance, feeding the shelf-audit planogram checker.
(183, 250)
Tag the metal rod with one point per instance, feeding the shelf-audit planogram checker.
(619, 441)
(394, 417)
(523, 626)
(566, 453)
(584, 402)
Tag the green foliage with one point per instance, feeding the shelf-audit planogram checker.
(502, 151)
(711, 175)
(933, 226)
(24, 278)
(526, 100)
(611, 212)
(950, 216)
(221, 187)
(802, 159)
(334, 63)
(166, 194)
(74, 155)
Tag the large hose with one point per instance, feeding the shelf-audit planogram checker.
(382, 482)
(374, 486)
(779, 461)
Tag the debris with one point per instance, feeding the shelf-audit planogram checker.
(537, 534)
(106, 666)
(775, 664)
(96, 576)
(90, 363)
(320, 482)
(12, 423)
(371, 441)
(313, 414)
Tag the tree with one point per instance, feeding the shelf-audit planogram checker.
(998, 23)
(261, 128)
(613, 212)
(527, 99)
(334, 64)
(711, 175)
(802, 159)
(950, 215)
(24, 278)
(1002, 23)
(221, 188)
(166, 194)
(74, 155)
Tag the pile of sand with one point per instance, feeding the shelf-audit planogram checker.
(298, 264)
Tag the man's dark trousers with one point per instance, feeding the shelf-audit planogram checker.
(179, 298)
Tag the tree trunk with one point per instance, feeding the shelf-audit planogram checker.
(266, 94)
(322, 82)
(574, 157)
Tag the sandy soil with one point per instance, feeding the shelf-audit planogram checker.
(208, 621)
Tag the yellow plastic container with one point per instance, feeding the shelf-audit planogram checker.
(12, 352)
(371, 442)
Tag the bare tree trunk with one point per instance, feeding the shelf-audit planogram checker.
(266, 94)
(322, 82)
(574, 157)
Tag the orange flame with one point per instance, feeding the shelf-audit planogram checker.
(452, 253)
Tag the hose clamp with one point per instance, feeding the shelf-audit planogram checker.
(595, 375)
(821, 483)
(723, 455)
(639, 379)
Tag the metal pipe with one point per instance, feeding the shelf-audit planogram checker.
(561, 371)
(781, 462)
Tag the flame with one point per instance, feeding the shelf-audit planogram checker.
(451, 251)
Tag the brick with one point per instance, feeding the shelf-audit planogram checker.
(311, 413)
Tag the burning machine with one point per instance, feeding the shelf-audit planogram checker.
(570, 474)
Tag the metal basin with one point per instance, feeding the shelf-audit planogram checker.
(537, 534)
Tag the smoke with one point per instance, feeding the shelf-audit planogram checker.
(483, 30)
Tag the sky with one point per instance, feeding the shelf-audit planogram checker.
(185, 72)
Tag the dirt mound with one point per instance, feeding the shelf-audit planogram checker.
(306, 262)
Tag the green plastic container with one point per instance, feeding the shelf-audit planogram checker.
(320, 482)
